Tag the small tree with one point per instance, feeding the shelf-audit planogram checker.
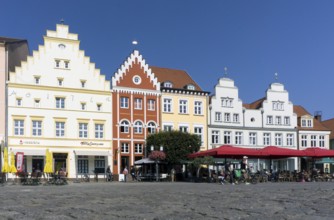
(199, 161)
(177, 145)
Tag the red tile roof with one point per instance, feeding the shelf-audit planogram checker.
(330, 125)
(179, 78)
(301, 111)
(255, 105)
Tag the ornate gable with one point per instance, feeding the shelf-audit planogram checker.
(135, 73)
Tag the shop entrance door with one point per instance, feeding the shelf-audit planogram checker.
(60, 161)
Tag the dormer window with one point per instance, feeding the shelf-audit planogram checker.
(190, 87)
(168, 84)
(307, 123)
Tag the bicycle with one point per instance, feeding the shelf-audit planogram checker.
(85, 177)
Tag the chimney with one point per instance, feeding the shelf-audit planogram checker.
(317, 115)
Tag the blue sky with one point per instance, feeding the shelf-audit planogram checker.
(253, 39)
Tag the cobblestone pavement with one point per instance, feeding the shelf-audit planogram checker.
(139, 200)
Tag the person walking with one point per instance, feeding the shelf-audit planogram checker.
(125, 172)
(133, 173)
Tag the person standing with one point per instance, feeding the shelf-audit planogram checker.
(125, 172)
(173, 174)
(109, 174)
(133, 173)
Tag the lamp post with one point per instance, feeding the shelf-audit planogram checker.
(157, 162)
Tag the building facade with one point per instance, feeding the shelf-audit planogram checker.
(136, 110)
(58, 100)
(269, 121)
(183, 103)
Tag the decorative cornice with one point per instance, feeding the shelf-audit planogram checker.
(185, 91)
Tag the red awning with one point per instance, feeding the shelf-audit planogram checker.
(318, 152)
(273, 151)
(228, 150)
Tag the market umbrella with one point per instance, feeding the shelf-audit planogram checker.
(238, 152)
(279, 152)
(48, 162)
(318, 152)
(5, 167)
(12, 168)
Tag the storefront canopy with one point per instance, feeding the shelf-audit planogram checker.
(279, 152)
(318, 152)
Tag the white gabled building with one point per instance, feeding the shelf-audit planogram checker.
(58, 100)
(269, 121)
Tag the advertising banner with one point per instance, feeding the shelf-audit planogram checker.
(19, 161)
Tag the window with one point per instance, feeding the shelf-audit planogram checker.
(227, 102)
(167, 105)
(238, 137)
(83, 83)
(136, 80)
(227, 117)
(99, 130)
(278, 106)
(227, 137)
(83, 106)
(36, 128)
(321, 141)
(266, 139)
(313, 140)
(83, 130)
(19, 127)
(183, 128)
(199, 132)
(60, 129)
(125, 148)
(100, 164)
(151, 105)
(60, 102)
(289, 139)
(57, 63)
(215, 137)
(138, 148)
(269, 120)
(287, 120)
(235, 118)
(304, 140)
(138, 103)
(168, 84)
(60, 82)
(82, 164)
(36, 103)
(198, 108)
(303, 123)
(168, 127)
(138, 127)
(309, 123)
(151, 128)
(124, 102)
(125, 127)
(183, 106)
(18, 102)
(191, 87)
(278, 139)
(99, 107)
(278, 120)
(67, 64)
(218, 116)
(252, 138)
(37, 80)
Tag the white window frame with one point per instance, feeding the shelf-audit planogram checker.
(60, 128)
(289, 139)
(138, 148)
(99, 130)
(266, 139)
(278, 139)
(83, 130)
(60, 102)
(215, 136)
(124, 102)
(151, 105)
(304, 140)
(151, 128)
(18, 127)
(278, 120)
(19, 102)
(286, 120)
(168, 127)
(227, 102)
(198, 130)
(124, 126)
(227, 137)
(36, 128)
(183, 106)
(313, 140)
(321, 141)
(252, 138)
(269, 119)
(184, 128)
(227, 117)
(138, 127)
(218, 116)
(238, 138)
(167, 105)
(125, 148)
(198, 108)
(138, 103)
(236, 118)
